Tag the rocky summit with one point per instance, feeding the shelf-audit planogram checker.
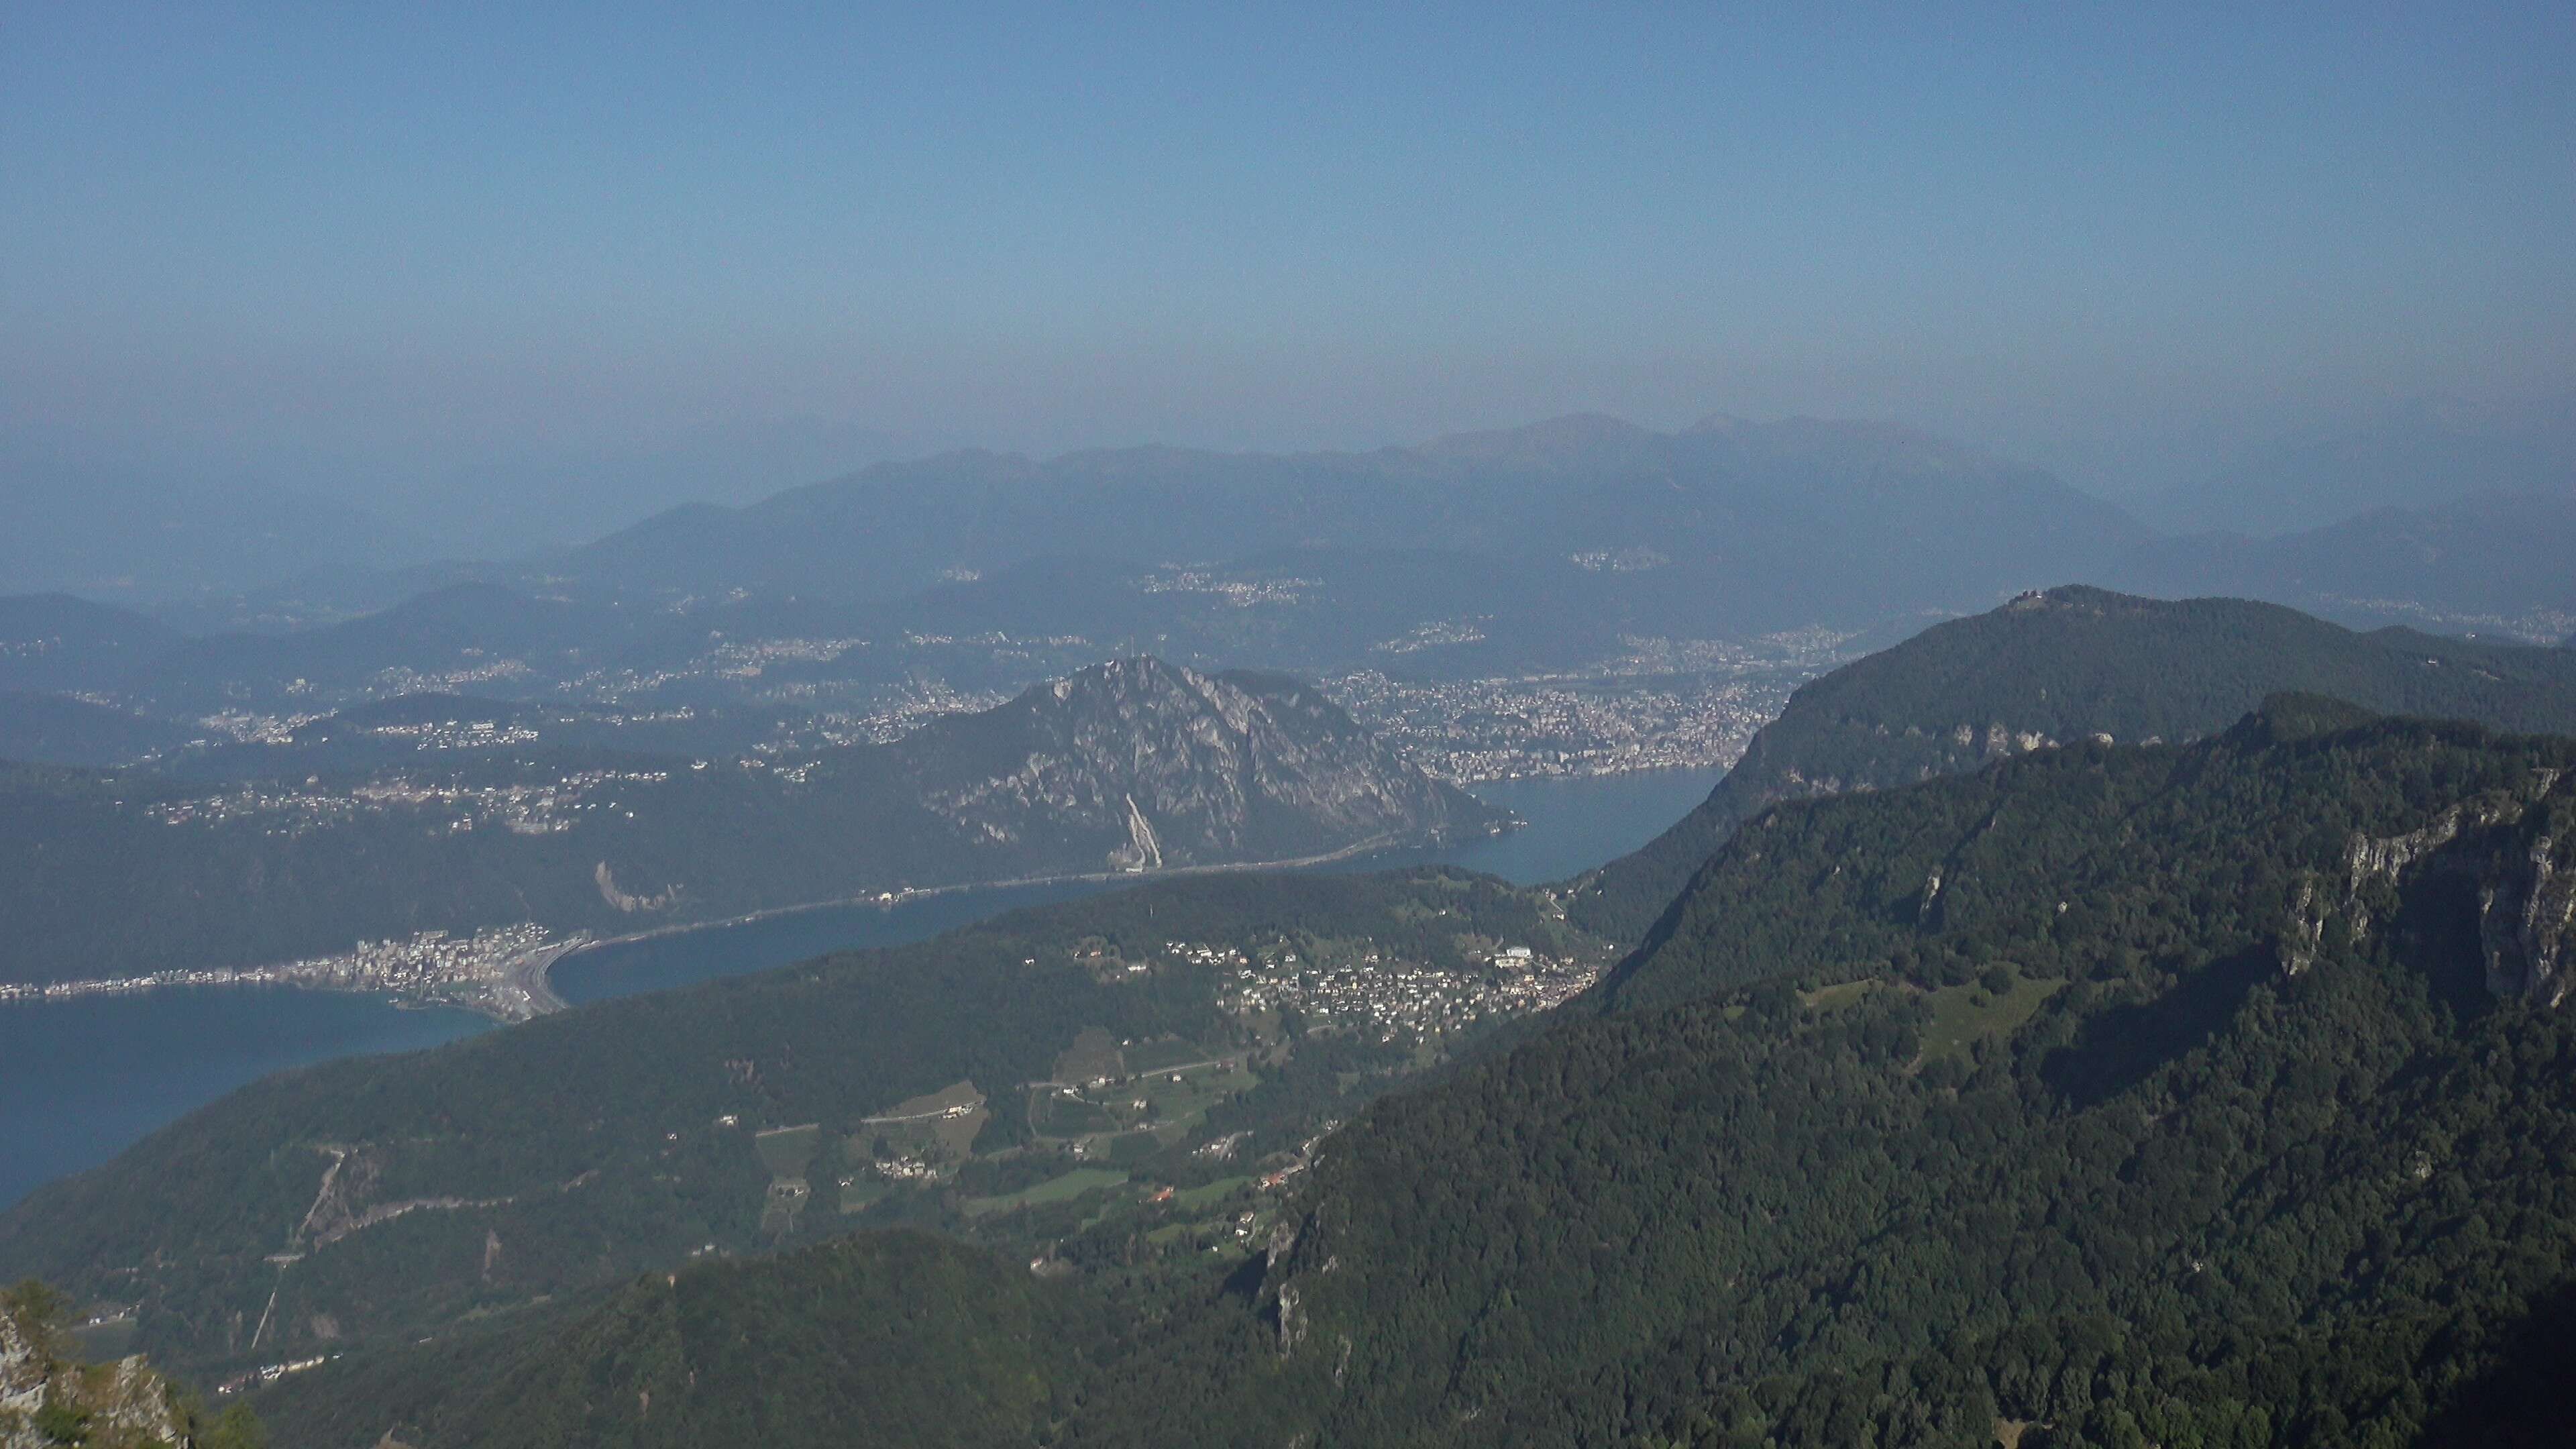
(1160, 766)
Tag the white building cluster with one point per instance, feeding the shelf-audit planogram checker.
(1402, 1000)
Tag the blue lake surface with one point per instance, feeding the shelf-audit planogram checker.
(82, 1079)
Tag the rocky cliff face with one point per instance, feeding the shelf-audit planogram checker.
(1144, 765)
(2515, 851)
(2527, 906)
(45, 1401)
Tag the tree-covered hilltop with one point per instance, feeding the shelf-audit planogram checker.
(56, 641)
(60, 729)
(2213, 1096)
(1013, 1080)
(1135, 765)
(2062, 666)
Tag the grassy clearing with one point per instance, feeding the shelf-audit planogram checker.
(1093, 1055)
(1198, 1197)
(940, 1124)
(786, 1150)
(1055, 1189)
(1188, 1099)
(956, 1135)
(1962, 1014)
(1072, 1117)
(954, 1095)
(1835, 998)
(1133, 1147)
(1171, 1051)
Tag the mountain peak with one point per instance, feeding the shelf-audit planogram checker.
(1160, 765)
(1133, 672)
(1575, 435)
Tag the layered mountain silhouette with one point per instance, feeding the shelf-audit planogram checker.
(1766, 521)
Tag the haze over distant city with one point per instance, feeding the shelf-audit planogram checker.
(518, 280)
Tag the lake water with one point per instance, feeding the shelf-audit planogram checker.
(81, 1079)
(1574, 825)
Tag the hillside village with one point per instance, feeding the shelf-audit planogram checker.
(1164, 1133)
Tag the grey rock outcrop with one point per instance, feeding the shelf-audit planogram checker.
(123, 1407)
(2527, 923)
(1155, 765)
(2514, 848)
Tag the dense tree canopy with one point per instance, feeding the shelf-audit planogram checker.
(2065, 666)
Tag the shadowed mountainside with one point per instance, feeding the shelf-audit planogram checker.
(2061, 666)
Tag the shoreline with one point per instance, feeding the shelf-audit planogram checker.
(889, 900)
(526, 982)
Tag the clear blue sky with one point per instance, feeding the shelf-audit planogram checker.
(389, 238)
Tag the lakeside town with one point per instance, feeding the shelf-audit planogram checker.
(527, 807)
(1470, 732)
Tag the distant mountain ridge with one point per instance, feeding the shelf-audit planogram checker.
(460, 629)
(2491, 563)
(2450, 517)
(1917, 518)
(2423, 455)
(2063, 666)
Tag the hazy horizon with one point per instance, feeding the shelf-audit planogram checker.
(509, 281)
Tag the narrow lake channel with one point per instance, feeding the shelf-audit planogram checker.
(82, 1079)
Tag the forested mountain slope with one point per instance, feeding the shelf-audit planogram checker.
(894, 1338)
(2066, 665)
(2210, 1094)
(2186, 1095)
(1014, 1080)
(1130, 766)
(56, 641)
(58, 729)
